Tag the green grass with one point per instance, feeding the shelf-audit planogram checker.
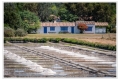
(75, 36)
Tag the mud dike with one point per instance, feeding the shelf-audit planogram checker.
(51, 60)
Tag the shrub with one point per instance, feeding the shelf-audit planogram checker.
(19, 40)
(31, 40)
(43, 40)
(54, 40)
(64, 32)
(113, 30)
(4, 40)
(82, 27)
(20, 32)
(25, 40)
(8, 32)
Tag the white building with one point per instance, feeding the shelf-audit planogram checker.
(71, 27)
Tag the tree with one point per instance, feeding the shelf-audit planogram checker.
(82, 27)
(105, 12)
(32, 7)
(44, 11)
(66, 15)
(54, 9)
(30, 22)
(11, 15)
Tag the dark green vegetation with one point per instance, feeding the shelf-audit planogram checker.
(28, 16)
(18, 17)
(56, 40)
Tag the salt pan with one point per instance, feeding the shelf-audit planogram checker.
(90, 58)
(32, 65)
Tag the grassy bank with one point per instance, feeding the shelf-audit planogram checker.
(75, 36)
(56, 40)
(99, 38)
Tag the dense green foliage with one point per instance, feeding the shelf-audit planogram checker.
(19, 15)
(56, 40)
(44, 11)
(30, 22)
(11, 16)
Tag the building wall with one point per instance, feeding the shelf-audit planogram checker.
(100, 30)
(76, 30)
(40, 30)
(69, 29)
(57, 30)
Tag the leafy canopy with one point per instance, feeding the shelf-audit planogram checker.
(30, 22)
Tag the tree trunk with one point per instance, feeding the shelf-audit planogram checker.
(81, 31)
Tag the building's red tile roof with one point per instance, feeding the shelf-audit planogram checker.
(86, 22)
(58, 24)
(101, 23)
(73, 23)
(93, 23)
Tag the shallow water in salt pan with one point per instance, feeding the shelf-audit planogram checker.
(56, 67)
(28, 63)
(73, 54)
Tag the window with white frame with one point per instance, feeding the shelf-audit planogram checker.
(64, 28)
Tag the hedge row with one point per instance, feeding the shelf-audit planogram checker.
(56, 40)
(25, 40)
